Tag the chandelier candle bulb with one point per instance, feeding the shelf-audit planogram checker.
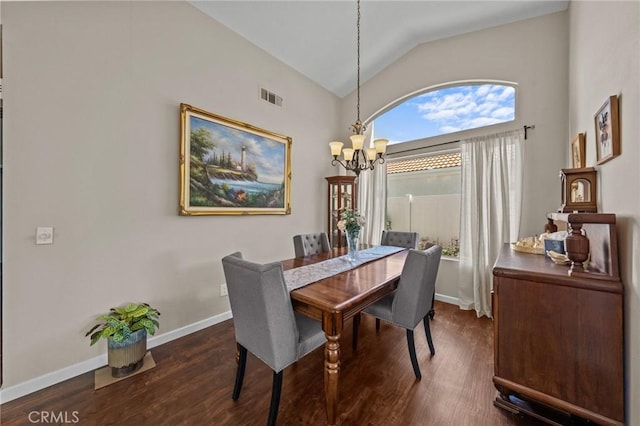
(348, 154)
(357, 141)
(371, 154)
(381, 145)
(336, 148)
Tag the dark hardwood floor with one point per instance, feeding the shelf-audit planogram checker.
(193, 381)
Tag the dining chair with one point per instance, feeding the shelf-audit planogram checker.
(265, 323)
(408, 240)
(432, 311)
(410, 303)
(308, 244)
(399, 239)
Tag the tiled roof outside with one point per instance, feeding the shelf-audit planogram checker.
(425, 163)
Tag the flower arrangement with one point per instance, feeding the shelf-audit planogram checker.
(351, 221)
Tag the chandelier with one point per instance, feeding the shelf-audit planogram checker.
(357, 158)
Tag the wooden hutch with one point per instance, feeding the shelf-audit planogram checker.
(558, 329)
(342, 193)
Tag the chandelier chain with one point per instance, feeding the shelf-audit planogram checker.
(358, 59)
(358, 158)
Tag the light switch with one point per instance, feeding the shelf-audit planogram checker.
(44, 235)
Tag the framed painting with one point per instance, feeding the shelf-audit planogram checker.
(578, 151)
(607, 133)
(231, 168)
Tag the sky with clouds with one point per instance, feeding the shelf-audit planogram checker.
(446, 111)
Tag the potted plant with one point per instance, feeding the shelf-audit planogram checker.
(125, 329)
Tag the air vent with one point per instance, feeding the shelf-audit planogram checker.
(270, 97)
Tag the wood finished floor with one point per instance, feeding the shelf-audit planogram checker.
(193, 381)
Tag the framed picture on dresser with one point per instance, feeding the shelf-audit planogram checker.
(578, 151)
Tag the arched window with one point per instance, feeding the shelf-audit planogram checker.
(447, 110)
(423, 190)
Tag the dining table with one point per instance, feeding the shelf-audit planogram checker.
(334, 299)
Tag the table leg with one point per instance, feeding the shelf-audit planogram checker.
(332, 327)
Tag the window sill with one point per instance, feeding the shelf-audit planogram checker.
(450, 258)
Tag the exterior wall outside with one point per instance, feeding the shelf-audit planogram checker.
(435, 217)
(604, 60)
(427, 202)
(425, 182)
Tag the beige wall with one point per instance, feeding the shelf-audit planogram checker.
(604, 61)
(92, 93)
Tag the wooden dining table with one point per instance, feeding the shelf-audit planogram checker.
(335, 299)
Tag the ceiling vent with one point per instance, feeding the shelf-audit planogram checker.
(270, 97)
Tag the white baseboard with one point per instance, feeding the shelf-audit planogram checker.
(188, 329)
(49, 379)
(447, 299)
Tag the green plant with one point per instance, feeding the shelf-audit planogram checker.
(387, 223)
(451, 251)
(120, 322)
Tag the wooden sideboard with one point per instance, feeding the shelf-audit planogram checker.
(558, 335)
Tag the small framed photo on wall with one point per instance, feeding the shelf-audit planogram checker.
(578, 151)
(607, 132)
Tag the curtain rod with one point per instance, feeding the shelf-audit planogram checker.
(533, 126)
(525, 128)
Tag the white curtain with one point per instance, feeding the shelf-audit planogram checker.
(490, 211)
(372, 198)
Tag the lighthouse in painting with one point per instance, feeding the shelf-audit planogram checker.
(243, 158)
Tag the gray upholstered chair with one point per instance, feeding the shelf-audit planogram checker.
(308, 244)
(410, 303)
(265, 323)
(399, 239)
(432, 311)
(402, 239)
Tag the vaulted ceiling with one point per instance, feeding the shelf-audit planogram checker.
(318, 38)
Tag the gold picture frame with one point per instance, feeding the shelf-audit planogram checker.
(578, 147)
(607, 132)
(228, 167)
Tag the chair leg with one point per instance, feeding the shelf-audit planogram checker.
(377, 325)
(275, 398)
(432, 312)
(356, 325)
(242, 362)
(427, 332)
(412, 354)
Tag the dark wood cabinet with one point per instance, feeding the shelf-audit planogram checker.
(558, 335)
(342, 193)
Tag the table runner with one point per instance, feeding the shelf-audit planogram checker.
(299, 277)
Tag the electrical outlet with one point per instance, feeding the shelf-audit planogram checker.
(223, 290)
(44, 235)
